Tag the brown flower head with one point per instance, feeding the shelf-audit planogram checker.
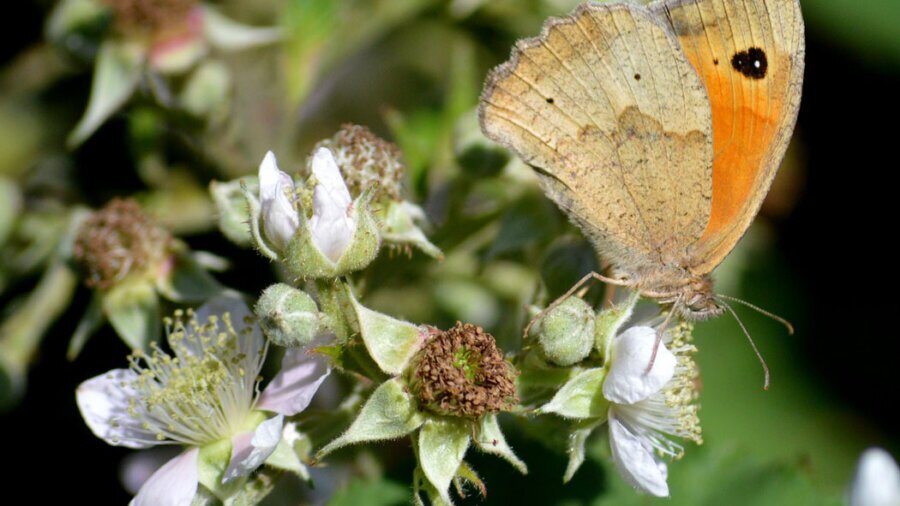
(461, 372)
(150, 16)
(118, 240)
(366, 161)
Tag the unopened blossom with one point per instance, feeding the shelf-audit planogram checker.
(649, 408)
(877, 480)
(203, 395)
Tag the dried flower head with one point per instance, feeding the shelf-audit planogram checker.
(461, 372)
(367, 160)
(118, 240)
(149, 16)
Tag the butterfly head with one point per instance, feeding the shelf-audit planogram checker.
(697, 301)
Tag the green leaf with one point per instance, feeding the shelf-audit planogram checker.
(390, 413)
(133, 310)
(116, 75)
(489, 439)
(442, 446)
(580, 398)
(371, 493)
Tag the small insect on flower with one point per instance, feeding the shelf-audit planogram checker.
(204, 395)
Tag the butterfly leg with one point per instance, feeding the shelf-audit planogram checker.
(591, 276)
(659, 334)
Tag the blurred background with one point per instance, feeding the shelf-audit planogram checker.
(819, 254)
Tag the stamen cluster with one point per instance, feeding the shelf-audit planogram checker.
(205, 390)
(149, 16)
(461, 372)
(117, 240)
(367, 160)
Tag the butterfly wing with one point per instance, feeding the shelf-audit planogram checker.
(607, 109)
(750, 56)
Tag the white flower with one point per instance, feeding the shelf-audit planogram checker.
(331, 226)
(877, 480)
(647, 407)
(206, 392)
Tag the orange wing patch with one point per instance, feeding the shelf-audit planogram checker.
(749, 53)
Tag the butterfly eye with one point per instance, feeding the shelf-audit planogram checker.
(753, 63)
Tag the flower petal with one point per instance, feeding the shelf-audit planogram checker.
(331, 225)
(138, 467)
(280, 219)
(877, 480)
(628, 380)
(174, 484)
(635, 460)
(251, 449)
(230, 35)
(103, 402)
(291, 391)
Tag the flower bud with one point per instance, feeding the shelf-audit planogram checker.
(367, 161)
(567, 332)
(288, 316)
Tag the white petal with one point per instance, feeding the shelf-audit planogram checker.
(251, 449)
(635, 460)
(291, 391)
(280, 219)
(269, 176)
(103, 402)
(628, 380)
(174, 484)
(877, 480)
(138, 467)
(331, 225)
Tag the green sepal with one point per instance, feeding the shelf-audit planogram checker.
(400, 227)
(442, 444)
(187, 280)
(90, 322)
(212, 462)
(233, 209)
(489, 439)
(577, 440)
(609, 321)
(391, 342)
(391, 412)
(285, 458)
(538, 381)
(304, 259)
(580, 398)
(132, 309)
(254, 212)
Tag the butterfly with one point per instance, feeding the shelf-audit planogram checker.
(658, 128)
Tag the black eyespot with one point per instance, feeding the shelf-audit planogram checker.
(549, 100)
(752, 63)
(637, 77)
(715, 61)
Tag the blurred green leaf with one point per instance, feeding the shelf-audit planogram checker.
(133, 310)
(371, 493)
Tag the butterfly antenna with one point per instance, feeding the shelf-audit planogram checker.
(787, 324)
(762, 361)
